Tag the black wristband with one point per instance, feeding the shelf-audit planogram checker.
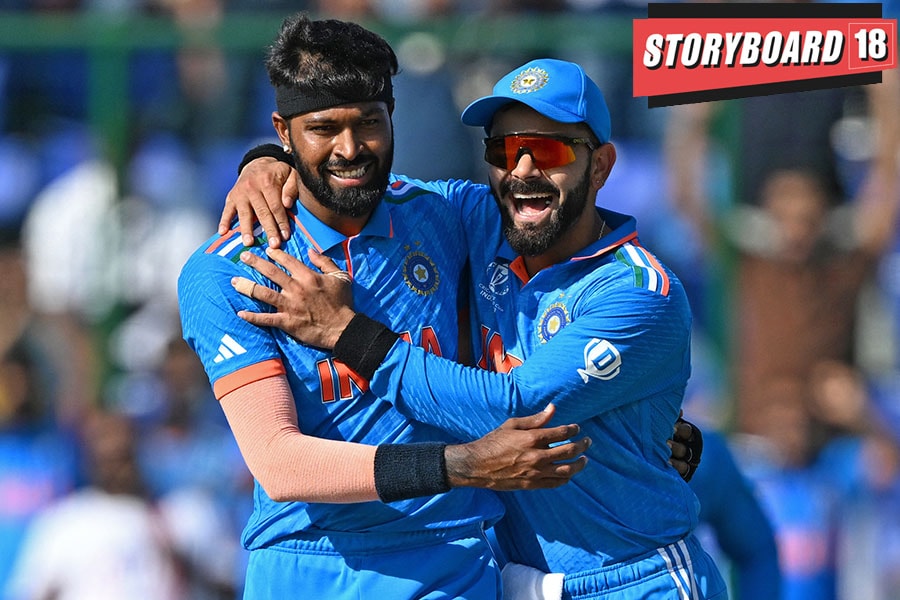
(404, 471)
(270, 150)
(363, 345)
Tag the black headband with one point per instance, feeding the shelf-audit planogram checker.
(291, 101)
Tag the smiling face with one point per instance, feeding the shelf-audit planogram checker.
(343, 155)
(548, 212)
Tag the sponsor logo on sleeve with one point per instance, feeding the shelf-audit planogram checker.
(601, 360)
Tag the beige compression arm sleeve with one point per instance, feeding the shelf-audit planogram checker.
(288, 464)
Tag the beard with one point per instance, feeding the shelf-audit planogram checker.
(349, 202)
(532, 239)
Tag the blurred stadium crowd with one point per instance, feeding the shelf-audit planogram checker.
(779, 213)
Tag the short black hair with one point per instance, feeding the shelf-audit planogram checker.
(340, 58)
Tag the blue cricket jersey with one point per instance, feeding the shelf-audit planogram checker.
(405, 264)
(606, 335)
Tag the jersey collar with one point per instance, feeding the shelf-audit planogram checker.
(322, 237)
(624, 229)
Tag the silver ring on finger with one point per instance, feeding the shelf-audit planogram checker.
(342, 275)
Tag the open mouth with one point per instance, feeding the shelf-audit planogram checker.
(532, 206)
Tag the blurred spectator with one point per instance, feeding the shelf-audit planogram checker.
(801, 506)
(849, 138)
(869, 536)
(802, 509)
(734, 525)
(190, 443)
(199, 92)
(800, 273)
(37, 454)
(70, 285)
(166, 210)
(193, 466)
(861, 463)
(430, 140)
(38, 461)
(102, 541)
(115, 538)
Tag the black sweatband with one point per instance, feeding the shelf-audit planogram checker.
(291, 101)
(404, 471)
(271, 150)
(363, 345)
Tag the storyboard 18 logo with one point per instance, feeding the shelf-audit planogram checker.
(686, 52)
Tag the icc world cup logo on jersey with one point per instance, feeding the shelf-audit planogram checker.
(420, 273)
(498, 278)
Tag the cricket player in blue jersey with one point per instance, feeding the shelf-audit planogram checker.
(352, 499)
(568, 308)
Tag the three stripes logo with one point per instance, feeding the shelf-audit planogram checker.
(228, 348)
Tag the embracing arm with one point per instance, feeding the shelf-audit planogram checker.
(318, 311)
(265, 188)
(287, 464)
(464, 401)
(291, 466)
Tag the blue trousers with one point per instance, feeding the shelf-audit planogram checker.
(369, 566)
(679, 571)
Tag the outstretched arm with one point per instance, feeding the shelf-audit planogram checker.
(521, 454)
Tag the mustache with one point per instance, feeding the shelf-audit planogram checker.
(517, 186)
(342, 163)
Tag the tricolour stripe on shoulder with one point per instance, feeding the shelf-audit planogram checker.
(648, 273)
(400, 192)
(231, 245)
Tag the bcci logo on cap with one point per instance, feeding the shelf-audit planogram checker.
(420, 273)
(529, 80)
(601, 360)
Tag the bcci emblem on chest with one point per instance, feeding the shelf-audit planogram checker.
(554, 318)
(420, 273)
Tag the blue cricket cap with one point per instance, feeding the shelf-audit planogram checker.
(557, 89)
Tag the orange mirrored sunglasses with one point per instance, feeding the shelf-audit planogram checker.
(547, 151)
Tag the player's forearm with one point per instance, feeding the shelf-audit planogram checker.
(291, 466)
(466, 402)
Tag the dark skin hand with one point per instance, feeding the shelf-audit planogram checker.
(314, 308)
(537, 463)
(687, 447)
(270, 187)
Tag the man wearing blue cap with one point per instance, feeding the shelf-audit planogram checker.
(567, 307)
(351, 498)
